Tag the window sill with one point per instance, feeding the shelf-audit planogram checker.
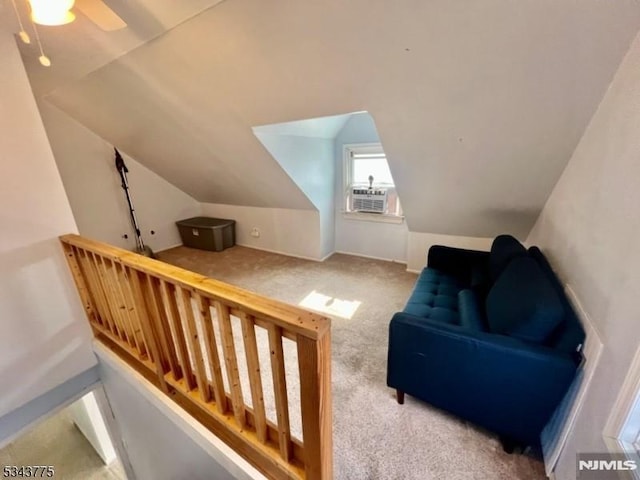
(373, 217)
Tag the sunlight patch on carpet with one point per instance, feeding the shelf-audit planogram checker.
(330, 305)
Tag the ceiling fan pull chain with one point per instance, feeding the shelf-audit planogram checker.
(43, 59)
(24, 36)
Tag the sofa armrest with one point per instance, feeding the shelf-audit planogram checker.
(457, 261)
(500, 383)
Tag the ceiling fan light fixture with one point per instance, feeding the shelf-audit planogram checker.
(52, 12)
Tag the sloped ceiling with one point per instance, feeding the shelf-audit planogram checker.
(479, 105)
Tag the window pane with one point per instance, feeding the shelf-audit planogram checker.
(363, 167)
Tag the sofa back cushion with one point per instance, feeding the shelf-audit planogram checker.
(569, 335)
(503, 249)
(523, 303)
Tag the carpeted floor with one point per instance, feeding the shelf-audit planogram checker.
(57, 442)
(374, 437)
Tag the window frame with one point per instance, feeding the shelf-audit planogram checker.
(347, 183)
(622, 430)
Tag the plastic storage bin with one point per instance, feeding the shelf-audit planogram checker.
(207, 233)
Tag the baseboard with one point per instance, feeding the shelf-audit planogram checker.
(327, 256)
(279, 252)
(371, 257)
(304, 257)
(286, 254)
(411, 270)
(169, 248)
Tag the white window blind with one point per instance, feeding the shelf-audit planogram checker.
(366, 164)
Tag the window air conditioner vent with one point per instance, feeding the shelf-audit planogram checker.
(368, 200)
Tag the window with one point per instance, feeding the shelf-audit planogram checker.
(369, 189)
(366, 164)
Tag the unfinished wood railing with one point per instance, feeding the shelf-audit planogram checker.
(173, 325)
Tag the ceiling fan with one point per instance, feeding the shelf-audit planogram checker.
(58, 12)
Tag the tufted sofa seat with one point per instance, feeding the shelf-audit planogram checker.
(435, 296)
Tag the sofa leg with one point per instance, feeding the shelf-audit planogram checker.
(400, 397)
(509, 445)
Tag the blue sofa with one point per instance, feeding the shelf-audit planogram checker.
(488, 336)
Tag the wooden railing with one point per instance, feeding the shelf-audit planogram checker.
(173, 325)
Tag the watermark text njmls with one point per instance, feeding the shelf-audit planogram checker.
(603, 466)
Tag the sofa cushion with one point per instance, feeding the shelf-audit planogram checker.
(523, 303)
(503, 249)
(569, 335)
(435, 296)
(470, 312)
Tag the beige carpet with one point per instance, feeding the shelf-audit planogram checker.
(57, 442)
(374, 437)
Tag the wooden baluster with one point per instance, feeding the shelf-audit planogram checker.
(82, 284)
(314, 365)
(211, 349)
(280, 390)
(160, 326)
(121, 303)
(101, 294)
(231, 362)
(94, 286)
(149, 335)
(117, 300)
(136, 313)
(114, 314)
(194, 344)
(88, 262)
(124, 282)
(255, 380)
(111, 297)
(173, 317)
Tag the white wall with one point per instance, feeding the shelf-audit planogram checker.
(291, 232)
(590, 229)
(373, 239)
(44, 335)
(93, 185)
(384, 240)
(88, 418)
(418, 245)
(309, 161)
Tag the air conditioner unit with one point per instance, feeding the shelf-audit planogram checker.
(369, 200)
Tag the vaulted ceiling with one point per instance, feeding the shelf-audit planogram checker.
(479, 105)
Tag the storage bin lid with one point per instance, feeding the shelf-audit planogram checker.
(199, 222)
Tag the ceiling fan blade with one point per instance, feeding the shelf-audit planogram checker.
(100, 14)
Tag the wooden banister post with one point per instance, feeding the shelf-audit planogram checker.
(314, 363)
